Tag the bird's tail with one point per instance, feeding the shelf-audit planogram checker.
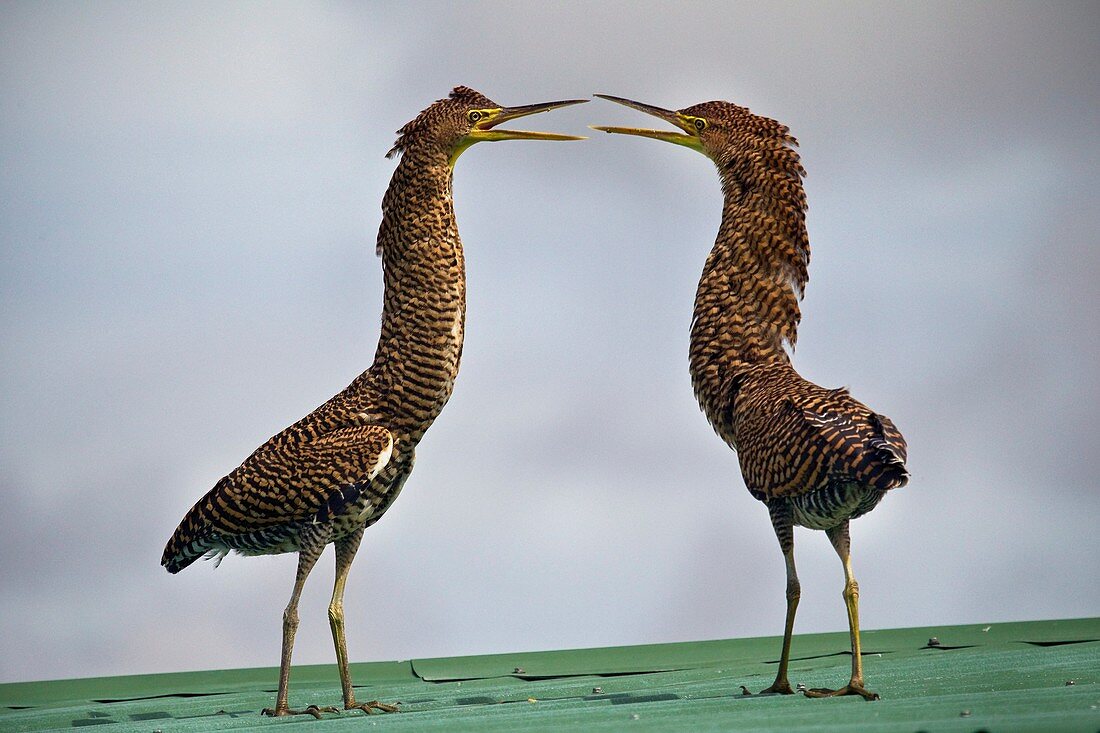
(192, 539)
(861, 443)
(181, 552)
(888, 448)
(176, 560)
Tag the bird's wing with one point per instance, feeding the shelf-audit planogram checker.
(805, 443)
(296, 481)
(286, 480)
(778, 453)
(859, 445)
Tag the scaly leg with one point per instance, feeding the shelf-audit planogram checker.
(345, 553)
(842, 543)
(784, 530)
(307, 558)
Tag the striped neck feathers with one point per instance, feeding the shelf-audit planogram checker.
(755, 274)
(424, 304)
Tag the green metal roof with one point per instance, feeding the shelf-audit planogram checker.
(1032, 676)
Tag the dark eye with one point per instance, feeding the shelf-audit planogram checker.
(700, 124)
(474, 116)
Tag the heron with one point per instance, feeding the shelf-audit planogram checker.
(335, 472)
(816, 457)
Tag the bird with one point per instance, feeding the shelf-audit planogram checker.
(816, 457)
(332, 474)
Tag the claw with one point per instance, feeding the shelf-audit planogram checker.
(366, 707)
(311, 710)
(849, 689)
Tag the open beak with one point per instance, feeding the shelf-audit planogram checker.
(691, 139)
(483, 130)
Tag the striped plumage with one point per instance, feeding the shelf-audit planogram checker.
(306, 472)
(333, 473)
(816, 457)
(812, 446)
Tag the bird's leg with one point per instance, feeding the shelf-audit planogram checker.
(345, 553)
(307, 558)
(841, 542)
(784, 530)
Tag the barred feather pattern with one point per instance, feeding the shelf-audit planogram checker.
(747, 303)
(815, 455)
(340, 468)
(821, 449)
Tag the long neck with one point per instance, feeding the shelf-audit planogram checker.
(746, 306)
(424, 309)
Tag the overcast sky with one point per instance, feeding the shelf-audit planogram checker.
(189, 196)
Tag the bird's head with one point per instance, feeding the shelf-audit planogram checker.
(724, 132)
(452, 125)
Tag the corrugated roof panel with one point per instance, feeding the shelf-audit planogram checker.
(1035, 676)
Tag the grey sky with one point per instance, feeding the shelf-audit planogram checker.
(188, 201)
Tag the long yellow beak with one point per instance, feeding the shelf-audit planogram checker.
(483, 130)
(691, 139)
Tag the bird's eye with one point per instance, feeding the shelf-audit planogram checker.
(474, 115)
(700, 124)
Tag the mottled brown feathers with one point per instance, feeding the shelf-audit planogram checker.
(746, 305)
(297, 477)
(794, 437)
(317, 475)
(823, 450)
(437, 115)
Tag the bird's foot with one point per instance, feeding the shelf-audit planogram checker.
(370, 707)
(779, 687)
(278, 712)
(852, 688)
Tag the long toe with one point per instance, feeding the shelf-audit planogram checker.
(311, 710)
(849, 689)
(370, 707)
